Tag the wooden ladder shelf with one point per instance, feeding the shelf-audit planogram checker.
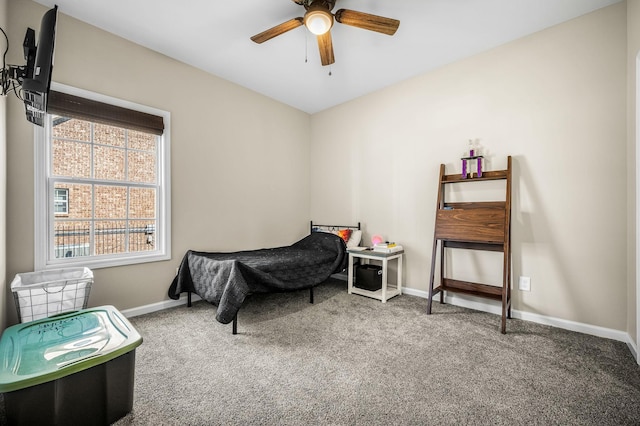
(475, 226)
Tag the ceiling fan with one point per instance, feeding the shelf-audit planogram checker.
(318, 19)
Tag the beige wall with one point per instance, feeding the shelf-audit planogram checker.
(633, 74)
(239, 160)
(556, 102)
(4, 291)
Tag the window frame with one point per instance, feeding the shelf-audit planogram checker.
(65, 203)
(44, 252)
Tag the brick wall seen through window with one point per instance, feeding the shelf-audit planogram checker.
(109, 174)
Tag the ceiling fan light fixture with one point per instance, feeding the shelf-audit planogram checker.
(318, 20)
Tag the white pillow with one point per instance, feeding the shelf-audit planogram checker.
(354, 239)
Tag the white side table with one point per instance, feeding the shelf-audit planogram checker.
(385, 293)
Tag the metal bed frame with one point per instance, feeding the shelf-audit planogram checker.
(312, 225)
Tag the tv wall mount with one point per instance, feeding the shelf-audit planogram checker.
(12, 76)
(31, 82)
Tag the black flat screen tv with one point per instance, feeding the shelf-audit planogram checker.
(35, 86)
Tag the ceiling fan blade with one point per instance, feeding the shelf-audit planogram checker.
(300, 2)
(326, 48)
(367, 21)
(277, 30)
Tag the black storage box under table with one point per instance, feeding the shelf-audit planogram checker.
(369, 277)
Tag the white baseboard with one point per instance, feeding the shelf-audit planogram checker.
(165, 304)
(341, 276)
(483, 305)
(633, 348)
(495, 307)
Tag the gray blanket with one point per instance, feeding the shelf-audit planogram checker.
(226, 279)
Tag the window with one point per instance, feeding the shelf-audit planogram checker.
(61, 201)
(102, 182)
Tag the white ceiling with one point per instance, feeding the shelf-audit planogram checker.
(213, 35)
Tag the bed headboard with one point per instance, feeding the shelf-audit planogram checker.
(351, 234)
(328, 228)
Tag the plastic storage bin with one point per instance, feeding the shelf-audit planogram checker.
(46, 293)
(72, 369)
(369, 277)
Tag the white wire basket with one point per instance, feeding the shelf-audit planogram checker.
(47, 293)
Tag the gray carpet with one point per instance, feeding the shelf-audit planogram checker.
(350, 360)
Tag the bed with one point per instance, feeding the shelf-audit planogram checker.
(227, 279)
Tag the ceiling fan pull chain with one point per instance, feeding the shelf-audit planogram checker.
(306, 47)
(330, 70)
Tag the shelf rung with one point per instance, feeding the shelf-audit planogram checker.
(491, 175)
(474, 289)
(468, 205)
(474, 246)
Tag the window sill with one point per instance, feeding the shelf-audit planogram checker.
(107, 262)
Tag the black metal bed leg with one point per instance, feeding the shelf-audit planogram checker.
(234, 326)
(189, 299)
(311, 295)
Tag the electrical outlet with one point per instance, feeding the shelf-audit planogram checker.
(524, 284)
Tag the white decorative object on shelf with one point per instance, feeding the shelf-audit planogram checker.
(387, 248)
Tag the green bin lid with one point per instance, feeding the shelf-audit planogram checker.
(47, 349)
